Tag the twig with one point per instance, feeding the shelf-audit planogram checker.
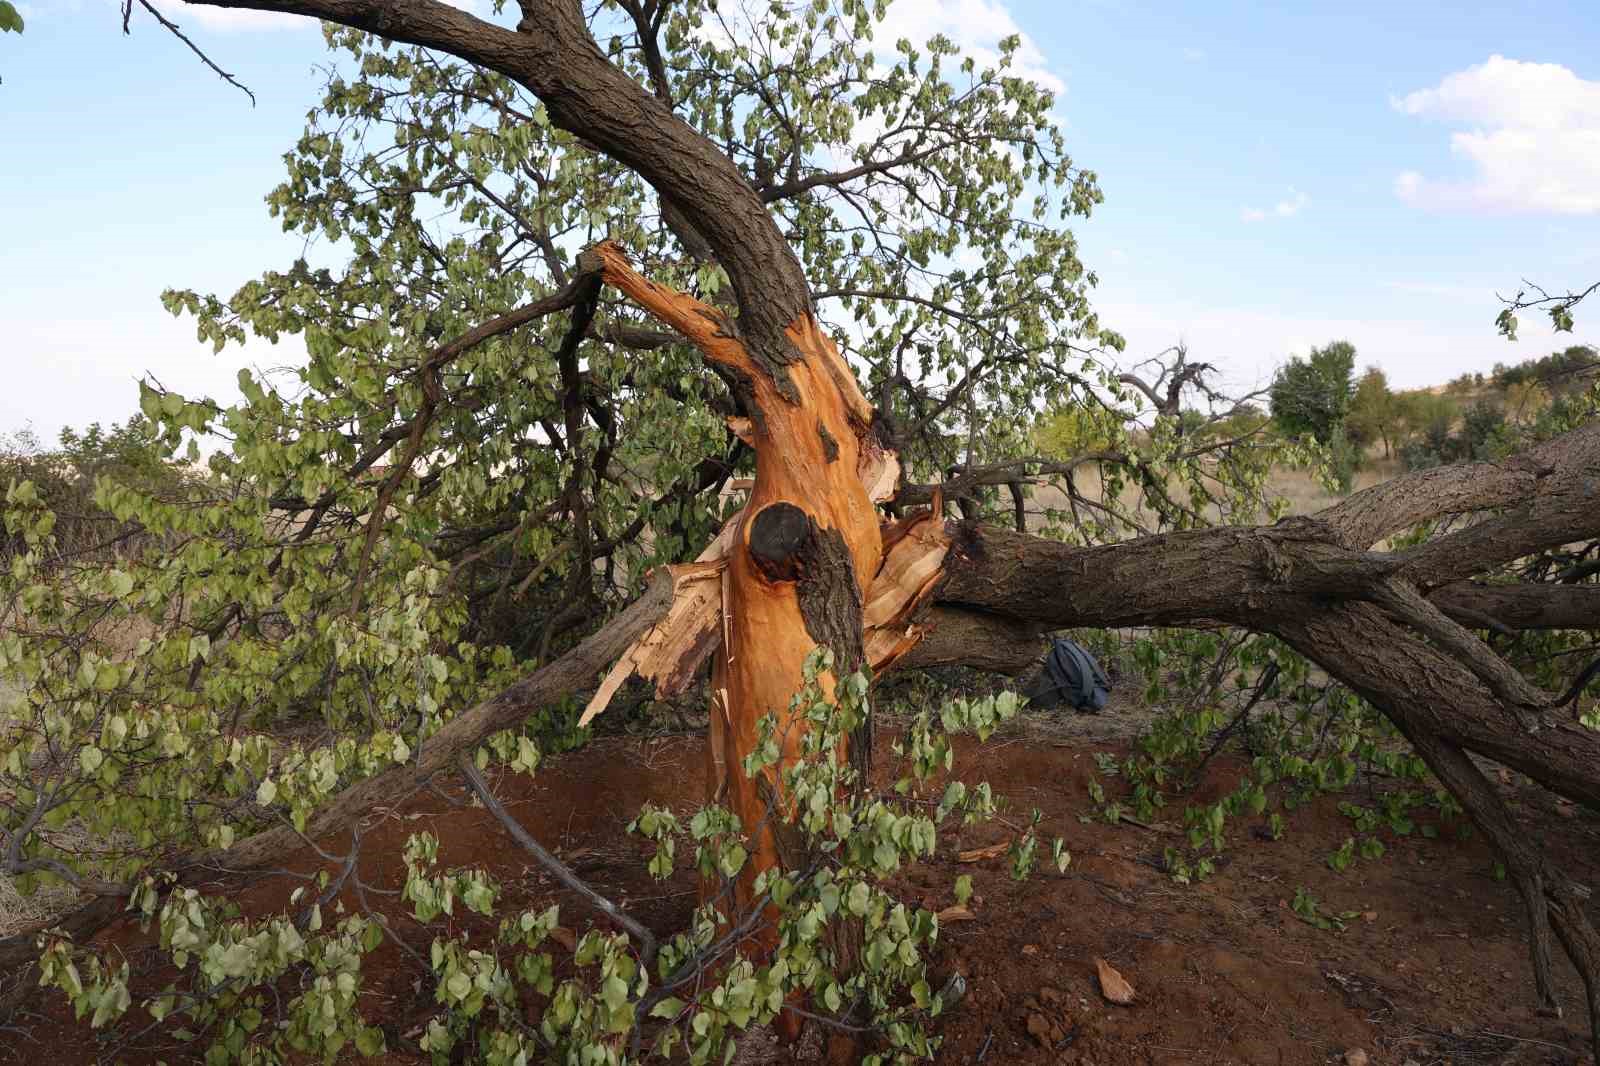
(172, 28)
(1268, 676)
(561, 870)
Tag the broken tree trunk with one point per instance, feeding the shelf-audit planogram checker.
(791, 572)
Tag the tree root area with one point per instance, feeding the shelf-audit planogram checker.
(1431, 967)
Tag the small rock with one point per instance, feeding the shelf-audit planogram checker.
(1030, 949)
(1039, 1029)
(1356, 1057)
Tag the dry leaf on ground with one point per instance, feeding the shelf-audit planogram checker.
(1113, 985)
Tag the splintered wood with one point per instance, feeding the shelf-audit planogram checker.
(671, 652)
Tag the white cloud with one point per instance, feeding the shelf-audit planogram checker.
(234, 20)
(977, 26)
(1281, 209)
(1534, 141)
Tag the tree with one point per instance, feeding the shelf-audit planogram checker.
(1311, 396)
(1374, 411)
(542, 397)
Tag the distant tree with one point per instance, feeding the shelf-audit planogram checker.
(1558, 370)
(1525, 400)
(1481, 426)
(1077, 429)
(1375, 411)
(1311, 396)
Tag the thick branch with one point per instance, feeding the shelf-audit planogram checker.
(1521, 606)
(554, 56)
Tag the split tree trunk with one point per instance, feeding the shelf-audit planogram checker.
(793, 579)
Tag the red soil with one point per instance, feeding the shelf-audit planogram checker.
(1434, 971)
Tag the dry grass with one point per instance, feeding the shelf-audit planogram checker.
(1307, 496)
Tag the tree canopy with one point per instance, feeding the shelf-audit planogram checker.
(1312, 395)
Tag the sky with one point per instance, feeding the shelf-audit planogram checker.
(1275, 177)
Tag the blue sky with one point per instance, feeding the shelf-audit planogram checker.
(1275, 177)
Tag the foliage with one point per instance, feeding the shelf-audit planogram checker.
(405, 523)
(1308, 910)
(65, 478)
(1556, 370)
(859, 953)
(1344, 458)
(1375, 412)
(1482, 435)
(387, 535)
(1079, 429)
(1303, 735)
(1558, 306)
(1311, 396)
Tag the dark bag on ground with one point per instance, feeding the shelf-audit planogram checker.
(1069, 676)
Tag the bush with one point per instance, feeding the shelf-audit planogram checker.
(65, 479)
(1344, 457)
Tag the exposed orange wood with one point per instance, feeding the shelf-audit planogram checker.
(910, 570)
(673, 649)
(705, 326)
(811, 429)
(809, 454)
(693, 629)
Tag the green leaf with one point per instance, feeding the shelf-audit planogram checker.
(369, 1041)
(670, 1007)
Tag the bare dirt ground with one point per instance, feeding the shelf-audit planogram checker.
(1432, 969)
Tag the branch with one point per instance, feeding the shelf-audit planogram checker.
(572, 672)
(1521, 606)
(560, 870)
(554, 56)
(172, 28)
